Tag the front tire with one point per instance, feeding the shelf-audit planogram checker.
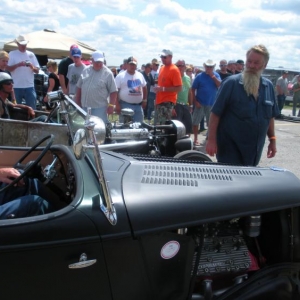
(193, 155)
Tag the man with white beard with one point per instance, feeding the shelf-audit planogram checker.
(243, 114)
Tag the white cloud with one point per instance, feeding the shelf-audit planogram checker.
(122, 28)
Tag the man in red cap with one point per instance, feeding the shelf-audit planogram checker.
(63, 70)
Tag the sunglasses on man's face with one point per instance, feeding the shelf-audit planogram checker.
(163, 57)
(8, 83)
(223, 65)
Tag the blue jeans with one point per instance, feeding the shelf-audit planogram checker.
(138, 111)
(26, 206)
(150, 105)
(28, 94)
(100, 112)
(24, 201)
(41, 118)
(280, 101)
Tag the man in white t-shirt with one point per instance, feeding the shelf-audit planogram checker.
(23, 64)
(132, 88)
(96, 83)
(74, 71)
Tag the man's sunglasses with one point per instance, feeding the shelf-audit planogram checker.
(8, 83)
(163, 57)
(223, 65)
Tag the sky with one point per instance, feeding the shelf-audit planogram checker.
(195, 30)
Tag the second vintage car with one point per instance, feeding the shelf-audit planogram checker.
(67, 117)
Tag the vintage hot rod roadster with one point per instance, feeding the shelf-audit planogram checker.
(143, 227)
(66, 117)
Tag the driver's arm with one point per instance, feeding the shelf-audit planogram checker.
(7, 175)
(29, 109)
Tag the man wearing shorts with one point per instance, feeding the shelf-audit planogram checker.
(169, 84)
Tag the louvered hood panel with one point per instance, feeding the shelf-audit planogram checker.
(162, 195)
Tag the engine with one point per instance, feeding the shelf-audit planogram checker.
(223, 251)
(225, 255)
(129, 134)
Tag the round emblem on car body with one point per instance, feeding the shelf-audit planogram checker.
(169, 250)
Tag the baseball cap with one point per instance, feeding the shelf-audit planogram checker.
(155, 61)
(166, 52)
(209, 63)
(231, 62)
(240, 61)
(73, 46)
(98, 56)
(76, 52)
(132, 60)
(21, 40)
(285, 72)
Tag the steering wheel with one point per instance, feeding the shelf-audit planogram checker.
(52, 113)
(33, 164)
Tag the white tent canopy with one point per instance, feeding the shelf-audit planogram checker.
(50, 43)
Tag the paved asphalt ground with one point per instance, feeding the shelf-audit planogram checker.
(288, 146)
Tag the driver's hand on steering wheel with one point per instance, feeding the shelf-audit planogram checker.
(7, 175)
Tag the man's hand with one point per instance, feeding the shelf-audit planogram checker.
(21, 64)
(118, 107)
(110, 109)
(157, 89)
(211, 147)
(31, 112)
(197, 104)
(209, 71)
(271, 149)
(144, 104)
(7, 175)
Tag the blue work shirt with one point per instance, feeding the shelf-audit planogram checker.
(206, 88)
(244, 121)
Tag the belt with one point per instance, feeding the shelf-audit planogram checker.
(131, 103)
(181, 103)
(167, 103)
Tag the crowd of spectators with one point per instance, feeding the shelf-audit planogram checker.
(157, 91)
(238, 104)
